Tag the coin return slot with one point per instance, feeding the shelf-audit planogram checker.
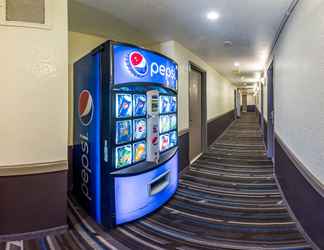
(159, 184)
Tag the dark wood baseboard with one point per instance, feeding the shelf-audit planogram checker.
(30, 203)
(184, 150)
(293, 216)
(265, 131)
(301, 193)
(251, 108)
(70, 167)
(217, 126)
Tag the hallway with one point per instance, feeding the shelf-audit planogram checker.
(227, 200)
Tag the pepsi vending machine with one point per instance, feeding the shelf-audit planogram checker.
(125, 156)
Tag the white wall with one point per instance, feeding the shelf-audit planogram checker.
(299, 85)
(258, 98)
(251, 100)
(220, 92)
(34, 91)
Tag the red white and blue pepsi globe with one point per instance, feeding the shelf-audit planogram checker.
(137, 64)
(85, 107)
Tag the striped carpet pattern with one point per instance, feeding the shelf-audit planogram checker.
(228, 199)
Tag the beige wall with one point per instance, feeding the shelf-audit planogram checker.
(258, 97)
(220, 92)
(251, 100)
(220, 97)
(87, 20)
(298, 85)
(34, 91)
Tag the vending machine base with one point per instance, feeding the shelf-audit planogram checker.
(137, 195)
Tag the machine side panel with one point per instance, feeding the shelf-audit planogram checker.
(86, 150)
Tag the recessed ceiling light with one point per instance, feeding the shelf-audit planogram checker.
(212, 15)
(236, 64)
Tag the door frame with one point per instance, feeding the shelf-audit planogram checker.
(262, 106)
(235, 104)
(203, 72)
(270, 113)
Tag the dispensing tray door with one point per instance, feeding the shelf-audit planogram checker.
(159, 184)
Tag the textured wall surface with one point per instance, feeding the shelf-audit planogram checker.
(220, 92)
(34, 91)
(299, 85)
(87, 20)
(251, 100)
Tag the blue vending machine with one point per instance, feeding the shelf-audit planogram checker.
(125, 156)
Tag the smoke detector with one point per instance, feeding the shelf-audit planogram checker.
(228, 44)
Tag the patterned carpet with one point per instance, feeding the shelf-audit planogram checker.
(228, 199)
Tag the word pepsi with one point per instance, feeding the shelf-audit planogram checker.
(85, 164)
(167, 72)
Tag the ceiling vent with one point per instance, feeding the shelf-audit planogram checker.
(228, 44)
(31, 11)
(26, 13)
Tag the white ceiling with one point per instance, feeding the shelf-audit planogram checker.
(250, 25)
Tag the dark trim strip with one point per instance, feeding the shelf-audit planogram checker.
(183, 151)
(219, 116)
(293, 216)
(312, 180)
(224, 132)
(216, 126)
(306, 203)
(31, 203)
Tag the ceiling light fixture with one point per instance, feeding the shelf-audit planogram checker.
(212, 15)
(236, 64)
(258, 75)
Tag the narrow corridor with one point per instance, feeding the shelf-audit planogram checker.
(185, 125)
(227, 200)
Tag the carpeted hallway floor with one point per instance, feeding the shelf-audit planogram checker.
(228, 199)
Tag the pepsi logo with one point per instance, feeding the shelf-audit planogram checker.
(137, 64)
(141, 129)
(155, 140)
(85, 107)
